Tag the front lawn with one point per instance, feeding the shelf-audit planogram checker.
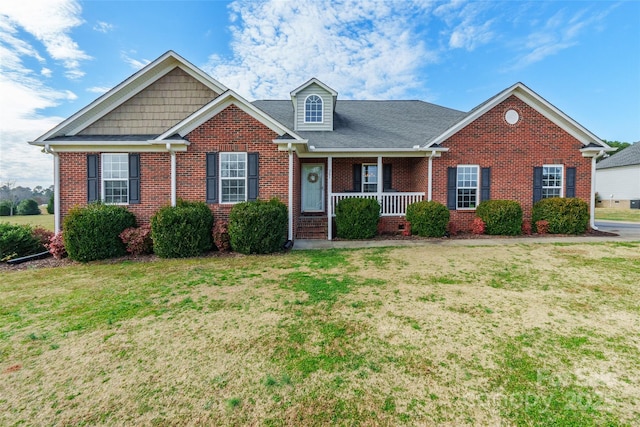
(45, 220)
(430, 335)
(614, 214)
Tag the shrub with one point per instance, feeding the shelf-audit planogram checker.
(93, 232)
(28, 207)
(138, 240)
(182, 231)
(50, 209)
(542, 226)
(526, 228)
(56, 246)
(221, 238)
(501, 217)
(5, 207)
(43, 235)
(428, 219)
(17, 241)
(452, 229)
(258, 227)
(565, 215)
(477, 226)
(357, 218)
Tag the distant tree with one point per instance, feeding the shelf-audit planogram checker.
(28, 207)
(619, 146)
(50, 206)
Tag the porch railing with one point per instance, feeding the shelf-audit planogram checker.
(391, 203)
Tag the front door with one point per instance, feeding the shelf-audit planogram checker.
(312, 187)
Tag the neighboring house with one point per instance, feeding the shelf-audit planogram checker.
(618, 178)
(171, 131)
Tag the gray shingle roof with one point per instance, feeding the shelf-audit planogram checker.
(372, 124)
(627, 157)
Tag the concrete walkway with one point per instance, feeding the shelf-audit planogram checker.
(627, 232)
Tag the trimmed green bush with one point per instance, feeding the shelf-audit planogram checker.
(17, 241)
(93, 232)
(357, 218)
(50, 205)
(28, 207)
(5, 207)
(258, 227)
(428, 219)
(183, 230)
(501, 217)
(564, 215)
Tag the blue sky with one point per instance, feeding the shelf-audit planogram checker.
(56, 56)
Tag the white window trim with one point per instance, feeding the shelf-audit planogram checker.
(103, 179)
(220, 177)
(477, 187)
(562, 179)
(321, 109)
(368, 182)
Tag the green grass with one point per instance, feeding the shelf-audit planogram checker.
(614, 214)
(511, 335)
(43, 220)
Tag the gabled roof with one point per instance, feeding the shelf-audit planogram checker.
(218, 104)
(628, 157)
(588, 139)
(309, 83)
(372, 125)
(126, 90)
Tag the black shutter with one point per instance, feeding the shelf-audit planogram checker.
(212, 178)
(386, 177)
(92, 178)
(537, 184)
(252, 176)
(357, 178)
(452, 177)
(571, 183)
(134, 179)
(485, 185)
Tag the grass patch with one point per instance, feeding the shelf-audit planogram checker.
(615, 214)
(45, 220)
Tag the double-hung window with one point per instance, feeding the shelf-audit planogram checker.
(369, 178)
(233, 177)
(467, 186)
(115, 178)
(552, 181)
(313, 109)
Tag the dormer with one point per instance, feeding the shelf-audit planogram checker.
(313, 105)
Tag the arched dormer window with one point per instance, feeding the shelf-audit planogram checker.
(313, 109)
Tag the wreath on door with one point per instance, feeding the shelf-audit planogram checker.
(312, 177)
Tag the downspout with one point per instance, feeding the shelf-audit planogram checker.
(592, 204)
(173, 174)
(290, 204)
(56, 188)
(430, 187)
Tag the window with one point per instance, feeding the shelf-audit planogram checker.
(551, 181)
(369, 178)
(467, 187)
(233, 177)
(115, 178)
(313, 109)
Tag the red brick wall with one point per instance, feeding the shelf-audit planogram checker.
(511, 151)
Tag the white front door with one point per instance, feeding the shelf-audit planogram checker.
(312, 187)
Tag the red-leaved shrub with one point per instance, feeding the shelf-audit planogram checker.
(56, 246)
(407, 229)
(526, 228)
(221, 236)
(43, 235)
(452, 229)
(542, 226)
(477, 227)
(138, 240)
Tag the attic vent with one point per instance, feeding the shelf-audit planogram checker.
(512, 117)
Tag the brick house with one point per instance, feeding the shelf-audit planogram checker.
(171, 131)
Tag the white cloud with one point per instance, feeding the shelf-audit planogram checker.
(46, 72)
(103, 27)
(98, 89)
(136, 64)
(466, 24)
(364, 49)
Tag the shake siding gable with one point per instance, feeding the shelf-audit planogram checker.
(327, 109)
(156, 108)
(512, 152)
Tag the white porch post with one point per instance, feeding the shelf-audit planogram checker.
(379, 181)
(56, 193)
(290, 195)
(329, 197)
(592, 204)
(173, 175)
(430, 184)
